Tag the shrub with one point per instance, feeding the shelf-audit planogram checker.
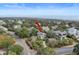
(67, 41)
(34, 32)
(6, 41)
(73, 37)
(52, 43)
(37, 44)
(16, 49)
(11, 53)
(76, 49)
(70, 41)
(60, 43)
(23, 33)
(46, 51)
(50, 34)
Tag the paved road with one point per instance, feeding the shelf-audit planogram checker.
(27, 50)
(64, 50)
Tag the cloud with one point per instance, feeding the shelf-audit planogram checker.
(40, 11)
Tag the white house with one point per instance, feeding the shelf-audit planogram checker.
(67, 25)
(11, 20)
(2, 22)
(45, 28)
(3, 28)
(72, 31)
(57, 22)
(77, 34)
(60, 34)
(54, 27)
(31, 28)
(17, 26)
(19, 22)
(41, 35)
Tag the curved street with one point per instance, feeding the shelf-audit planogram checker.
(64, 50)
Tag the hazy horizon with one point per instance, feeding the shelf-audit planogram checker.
(69, 11)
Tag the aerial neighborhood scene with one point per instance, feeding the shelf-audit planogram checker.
(39, 29)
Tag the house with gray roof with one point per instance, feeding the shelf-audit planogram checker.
(60, 34)
(73, 31)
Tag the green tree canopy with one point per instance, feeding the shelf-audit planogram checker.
(76, 49)
(38, 44)
(23, 33)
(34, 32)
(46, 51)
(16, 49)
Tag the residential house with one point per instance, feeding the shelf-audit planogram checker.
(17, 26)
(41, 35)
(60, 34)
(3, 28)
(54, 27)
(67, 25)
(19, 22)
(2, 22)
(73, 31)
(45, 28)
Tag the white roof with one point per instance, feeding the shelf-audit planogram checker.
(71, 29)
(1, 27)
(41, 33)
(59, 32)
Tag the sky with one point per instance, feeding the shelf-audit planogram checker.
(43, 10)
